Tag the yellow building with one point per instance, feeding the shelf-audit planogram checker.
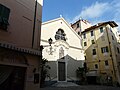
(102, 51)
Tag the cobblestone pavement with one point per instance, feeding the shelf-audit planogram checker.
(83, 87)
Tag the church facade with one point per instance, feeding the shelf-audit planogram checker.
(65, 54)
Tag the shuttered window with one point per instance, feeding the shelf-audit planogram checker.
(4, 16)
(104, 49)
(101, 29)
(94, 51)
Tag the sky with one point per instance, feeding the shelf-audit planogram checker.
(95, 11)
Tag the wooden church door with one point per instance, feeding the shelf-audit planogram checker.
(61, 71)
(61, 66)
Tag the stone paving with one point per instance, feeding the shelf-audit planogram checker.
(72, 86)
(64, 84)
(87, 87)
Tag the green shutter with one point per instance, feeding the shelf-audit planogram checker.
(5, 21)
(0, 19)
(102, 50)
(6, 12)
(4, 16)
(106, 48)
(1, 7)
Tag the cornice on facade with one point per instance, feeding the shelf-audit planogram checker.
(111, 23)
(20, 49)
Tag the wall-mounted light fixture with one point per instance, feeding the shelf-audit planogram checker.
(50, 41)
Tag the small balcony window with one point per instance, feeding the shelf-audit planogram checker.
(104, 49)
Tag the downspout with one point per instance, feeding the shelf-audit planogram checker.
(97, 51)
(34, 23)
(111, 53)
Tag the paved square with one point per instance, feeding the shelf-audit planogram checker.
(83, 87)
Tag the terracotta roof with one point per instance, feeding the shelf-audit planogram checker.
(111, 23)
(79, 21)
(75, 22)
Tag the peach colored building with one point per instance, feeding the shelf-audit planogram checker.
(19, 45)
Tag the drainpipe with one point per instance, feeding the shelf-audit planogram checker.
(111, 53)
(97, 52)
(34, 23)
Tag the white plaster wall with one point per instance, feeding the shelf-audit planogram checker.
(49, 30)
(73, 52)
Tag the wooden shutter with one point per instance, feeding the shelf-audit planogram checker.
(6, 12)
(102, 50)
(106, 48)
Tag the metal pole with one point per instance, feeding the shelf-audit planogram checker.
(34, 23)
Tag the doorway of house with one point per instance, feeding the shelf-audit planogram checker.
(61, 71)
(12, 77)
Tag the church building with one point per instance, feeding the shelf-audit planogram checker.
(65, 54)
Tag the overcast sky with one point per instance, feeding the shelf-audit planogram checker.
(92, 10)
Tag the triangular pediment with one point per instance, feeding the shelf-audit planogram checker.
(50, 28)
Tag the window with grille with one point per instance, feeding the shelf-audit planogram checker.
(104, 49)
(4, 16)
(60, 35)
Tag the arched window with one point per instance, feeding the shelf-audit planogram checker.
(61, 53)
(60, 35)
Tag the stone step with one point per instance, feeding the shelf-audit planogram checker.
(64, 84)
